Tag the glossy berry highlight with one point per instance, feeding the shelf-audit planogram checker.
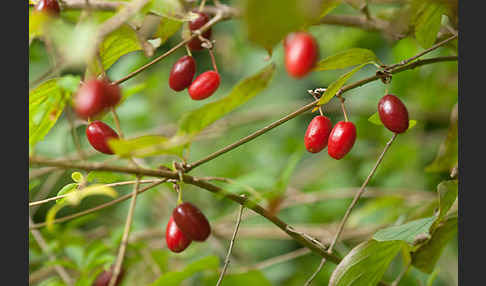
(50, 7)
(98, 134)
(301, 54)
(317, 134)
(341, 139)
(182, 73)
(95, 96)
(191, 221)
(393, 113)
(175, 239)
(201, 20)
(104, 278)
(204, 85)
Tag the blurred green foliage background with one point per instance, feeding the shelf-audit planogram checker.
(430, 93)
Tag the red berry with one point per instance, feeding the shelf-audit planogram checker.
(317, 134)
(341, 139)
(104, 278)
(175, 239)
(301, 53)
(98, 134)
(195, 44)
(50, 7)
(204, 85)
(191, 221)
(94, 96)
(393, 113)
(182, 73)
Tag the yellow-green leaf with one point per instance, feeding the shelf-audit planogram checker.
(327, 6)
(167, 28)
(334, 87)
(347, 58)
(150, 145)
(198, 119)
(428, 22)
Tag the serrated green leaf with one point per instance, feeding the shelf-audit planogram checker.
(176, 278)
(428, 22)
(375, 119)
(196, 120)
(347, 58)
(118, 43)
(46, 103)
(77, 177)
(334, 87)
(150, 145)
(365, 264)
(287, 16)
(406, 232)
(75, 198)
(426, 257)
(447, 191)
(66, 190)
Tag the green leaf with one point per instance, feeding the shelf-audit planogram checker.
(118, 43)
(334, 87)
(77, 177)
(167, 28)
(347, 58)
(428, 22)
(433, 276)
(375, 119)
(379, 211)
(365, 264)
(36, 23)
(168, 8)
(447, 196)
(176, 278)
(426, 257)
(66, 190)
(406, 232)
(161, 258)
(69, 83)
(196, 120)
(150, 145)
(253, 277)
(104, 177)
(286, 16)
(46, 103)
(327, 6)
(448, 152)
(75, 198)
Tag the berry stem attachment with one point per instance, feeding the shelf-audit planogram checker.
(213, 59)
(117, 122)
(313, 93)
(188, 50)
(343, 108)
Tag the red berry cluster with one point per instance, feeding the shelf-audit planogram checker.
(184, 69)
(186, 224)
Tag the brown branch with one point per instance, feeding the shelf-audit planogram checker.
(93, 4)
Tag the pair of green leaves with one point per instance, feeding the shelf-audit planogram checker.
(421, 242)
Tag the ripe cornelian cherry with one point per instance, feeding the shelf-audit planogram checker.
(204, 85)
(317, 134)
(182, 73)
(98, 134)
(341, 139)
(95, 96)
(393, 113)
(50, 7)
(301, 53)
(175, 239)
(191, 221)
(104, 278)
(195, 43)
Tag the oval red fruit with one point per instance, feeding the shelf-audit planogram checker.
(50, 7)
(317, 134)
(204, 85)
(182, 73)
(393, 113)
(98, 134)
(175, 239)
(195, 43)
(94, 96)
(301, 53)
(341, 139)
(104, 278)
(191, 221)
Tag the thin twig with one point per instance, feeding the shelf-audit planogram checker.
(126, 232)
(74, 134)
(117, 122)
(313, 276)
(45, 248)
(227, 260)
